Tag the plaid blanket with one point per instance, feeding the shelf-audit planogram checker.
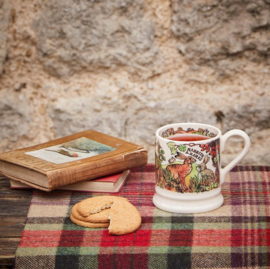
(237, 235)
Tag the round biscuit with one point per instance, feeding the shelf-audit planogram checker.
(96, 204)
(102, 216)
(124, 218)
(88, 224)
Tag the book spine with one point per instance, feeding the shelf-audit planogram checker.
(87, 171)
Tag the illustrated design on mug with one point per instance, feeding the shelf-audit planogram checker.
(188, 167)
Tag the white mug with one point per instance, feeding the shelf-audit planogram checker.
(188, 168)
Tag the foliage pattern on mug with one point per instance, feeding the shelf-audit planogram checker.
(170, 132)
(188, 167)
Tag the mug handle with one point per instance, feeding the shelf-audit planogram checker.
(241, 156)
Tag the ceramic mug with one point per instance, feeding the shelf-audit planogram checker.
(188, 170)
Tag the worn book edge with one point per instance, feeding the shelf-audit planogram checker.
(104, 184)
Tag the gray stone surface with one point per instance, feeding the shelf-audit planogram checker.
(135, 120)
(252, 117)
(15, 115)
(75, 36)
(4, 21)
(216, 33)
(127, 67)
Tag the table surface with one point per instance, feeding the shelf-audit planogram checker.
(243, 221)
(14, 205)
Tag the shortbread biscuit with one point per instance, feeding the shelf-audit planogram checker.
(88, 224)
(124, 218)
(96, 204)
(102, 216)
(114, 212)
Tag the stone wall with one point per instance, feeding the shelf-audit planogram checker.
(127, 67)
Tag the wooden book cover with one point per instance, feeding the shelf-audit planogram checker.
(75, 158)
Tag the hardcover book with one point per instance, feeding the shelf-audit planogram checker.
(82, 156)
(112, 183)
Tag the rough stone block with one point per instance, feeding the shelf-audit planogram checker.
(5, 9)
(75, 36)
(211, 32)
(15, 115)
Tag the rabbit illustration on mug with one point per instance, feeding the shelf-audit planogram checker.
(180, 171)
(204, 172)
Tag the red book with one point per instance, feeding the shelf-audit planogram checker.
(112, 183)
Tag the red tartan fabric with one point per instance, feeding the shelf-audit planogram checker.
(237, 235)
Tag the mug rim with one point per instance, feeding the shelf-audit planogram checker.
(171, 125)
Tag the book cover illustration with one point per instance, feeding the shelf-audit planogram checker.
(74, 150)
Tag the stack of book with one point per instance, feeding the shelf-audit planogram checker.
(85, 161)
(112, 183)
